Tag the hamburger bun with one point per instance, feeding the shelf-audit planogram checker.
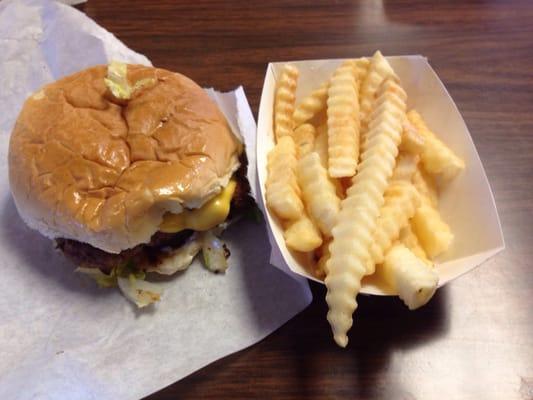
(87, 166)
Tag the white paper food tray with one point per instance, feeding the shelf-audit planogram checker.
(466, 204)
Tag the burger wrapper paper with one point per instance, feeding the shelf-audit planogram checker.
(466, 204)
(61, 336)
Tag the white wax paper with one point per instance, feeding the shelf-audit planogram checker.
(72, 2)
(466, 203)
(61, 336)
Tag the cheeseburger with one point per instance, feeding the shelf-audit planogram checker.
(130, 169)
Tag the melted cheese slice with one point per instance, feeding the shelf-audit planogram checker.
(211, 214)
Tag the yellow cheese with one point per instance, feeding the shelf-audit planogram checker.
(212, 213)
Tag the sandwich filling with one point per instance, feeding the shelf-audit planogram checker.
(175, 231)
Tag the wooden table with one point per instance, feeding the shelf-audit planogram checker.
(475, 339)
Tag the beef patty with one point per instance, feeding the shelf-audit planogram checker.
(152, 253)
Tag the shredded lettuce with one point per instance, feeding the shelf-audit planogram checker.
(117, 80)
(118, 84)
(130, 282)
(127, 269)
(103, 280)
(139, 291)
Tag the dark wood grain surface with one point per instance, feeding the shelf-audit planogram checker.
(475, 339)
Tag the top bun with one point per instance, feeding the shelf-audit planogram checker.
(87, 166)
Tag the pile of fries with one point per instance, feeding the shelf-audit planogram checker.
(353, 179)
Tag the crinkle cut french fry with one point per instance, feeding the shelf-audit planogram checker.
(321, 148)
(426, 186)
(321, 144)
(401, 203)
(281, 163)
(437, 158)
(412, 141)
(395, 100)
(409, 240)
(318, 192)
(282, 191)
(323, 256)
(311, 105)
(343, 122)
(406, 167)
(284, 101)
(414, 281)
(378, 70)
(304, 137)
(361, 69)
(302, 235)
(433, 233)
(357, 218)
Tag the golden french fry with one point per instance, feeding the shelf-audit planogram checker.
(302, 235)
(343, 122)
(412, 141)
(433, 233)
(321, 144)
(426, 186)
(282, 191)
(353, 233)
(393, 103)
(409, 240)
(318, 192)
(436, 157)
(311, 105)
(321, 148)
(304, 137)
(406, 167)
(414, 281)
(361, 69)
(323, 256)
(378, 70)
(401, 203)
(284, 101)
(280, 159)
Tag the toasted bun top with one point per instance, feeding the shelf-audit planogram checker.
(86, 166)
